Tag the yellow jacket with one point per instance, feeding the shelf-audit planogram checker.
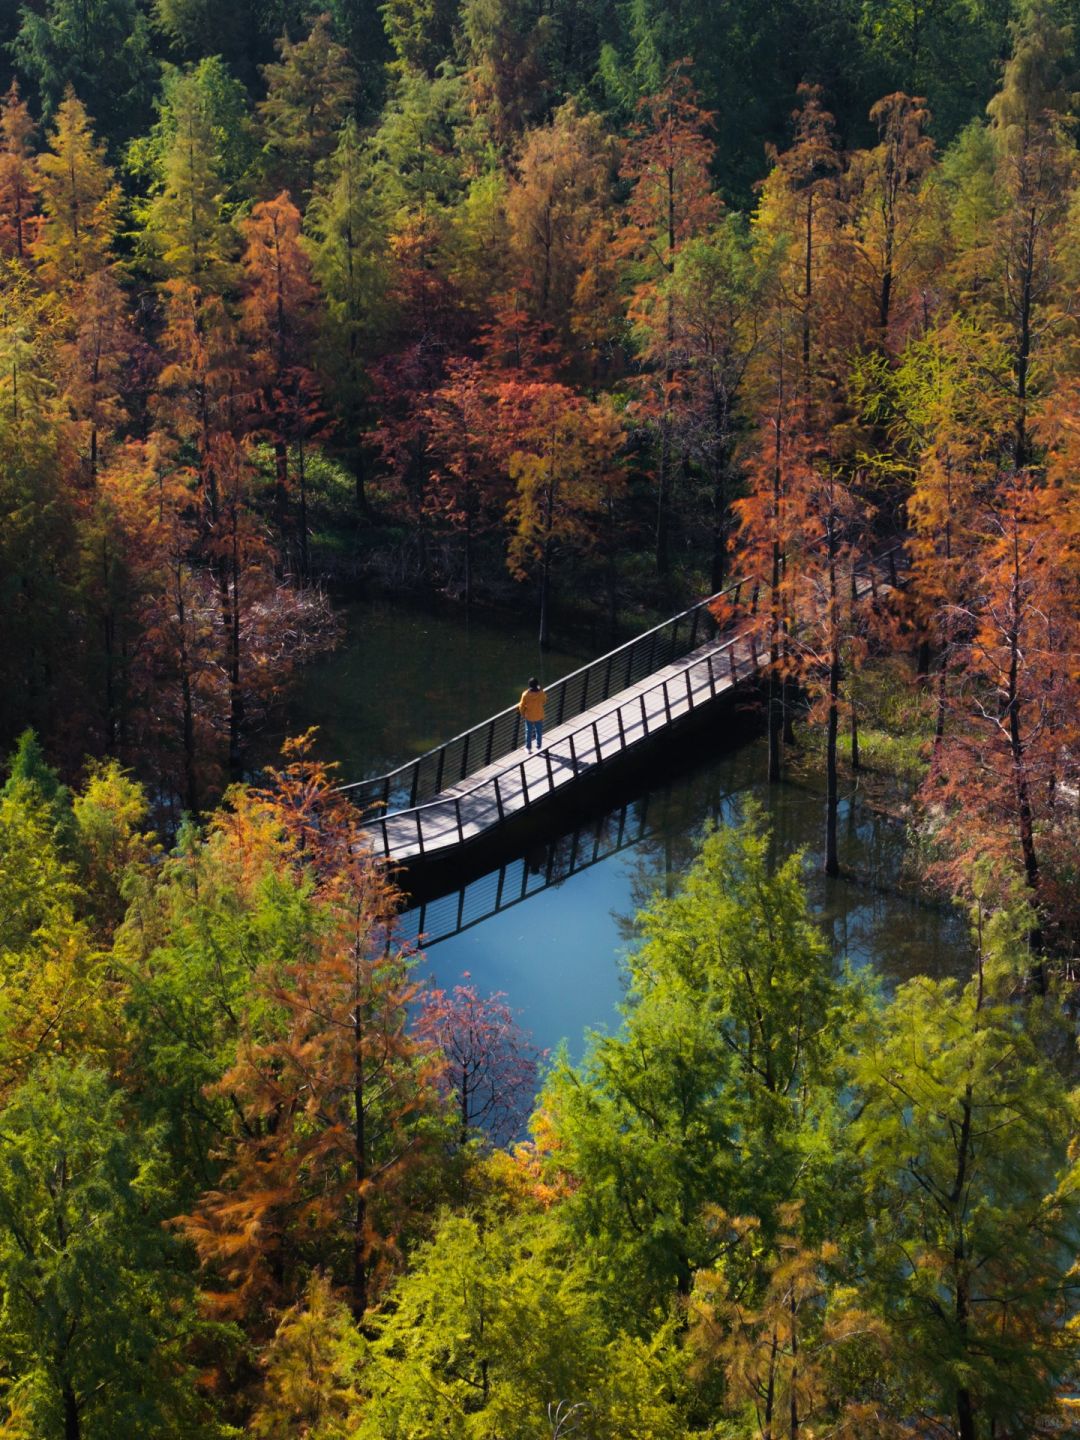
(532, 703)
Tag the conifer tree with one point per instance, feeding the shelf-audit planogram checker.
(80, 201)
(18, 185)
(311, 90)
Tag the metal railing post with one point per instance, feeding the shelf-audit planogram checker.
(491, 743)
(385, 839)
(693, 627)
(573, 752)
(524, 786)
(465, 755)
(689, 690)
(415, 782)
(499, 800)
(439, 769)
(667, 702)
(596, 742)
(622, 732)
(419, 833)
(460, 826)
(644, 715)
(550, 772)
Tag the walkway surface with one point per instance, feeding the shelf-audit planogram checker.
(490, 796)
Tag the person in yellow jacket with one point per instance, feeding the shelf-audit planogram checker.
(531, 705)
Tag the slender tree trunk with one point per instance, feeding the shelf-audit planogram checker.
(793, 1432)
(281, 492)
(770, 1391)
(359, 1297)
(1023, 345)
(832, 795)
(191, 788)
(775, 695)
(72, 1429)
(965, 1410)
(236, 694)
(545, 597)
(301, 475)
(808, 284)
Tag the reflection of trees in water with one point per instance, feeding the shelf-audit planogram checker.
(675, 818)
(868, 914)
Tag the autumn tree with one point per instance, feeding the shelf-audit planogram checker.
(567, 477)
(889, 210)
(80, 201)
(18, 183)
(310, 90)
(93, 366)
(278, 313)
(1008, 746)
(333, 1107)
(558, 197)
(1037, 173)
(671, 201)
(719, 292)
(490, 1068)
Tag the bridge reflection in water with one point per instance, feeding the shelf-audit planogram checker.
(548, 864)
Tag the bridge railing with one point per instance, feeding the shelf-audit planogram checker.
(420, 780)
(454, 819)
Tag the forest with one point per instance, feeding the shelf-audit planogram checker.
(574, 310)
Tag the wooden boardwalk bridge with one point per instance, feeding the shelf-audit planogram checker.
(483, 779)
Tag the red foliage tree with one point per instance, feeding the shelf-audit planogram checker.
(490, 1069)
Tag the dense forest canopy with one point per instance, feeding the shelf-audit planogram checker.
(579, 309)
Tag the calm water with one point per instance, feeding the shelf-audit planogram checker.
(405, 680)
(550, 927)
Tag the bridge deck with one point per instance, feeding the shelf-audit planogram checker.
(494, 794)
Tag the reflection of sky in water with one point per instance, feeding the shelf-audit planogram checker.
(556, 953)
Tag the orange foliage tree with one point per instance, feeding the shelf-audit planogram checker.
(667, 163)
(335, 1109)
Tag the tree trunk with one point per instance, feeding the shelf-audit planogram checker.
(236, 694)
(190, 782)
(301, 472)
(545, 597)
(72, 1429)
(359, 1296)
(832, 789)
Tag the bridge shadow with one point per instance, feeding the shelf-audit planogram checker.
(546, 864)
